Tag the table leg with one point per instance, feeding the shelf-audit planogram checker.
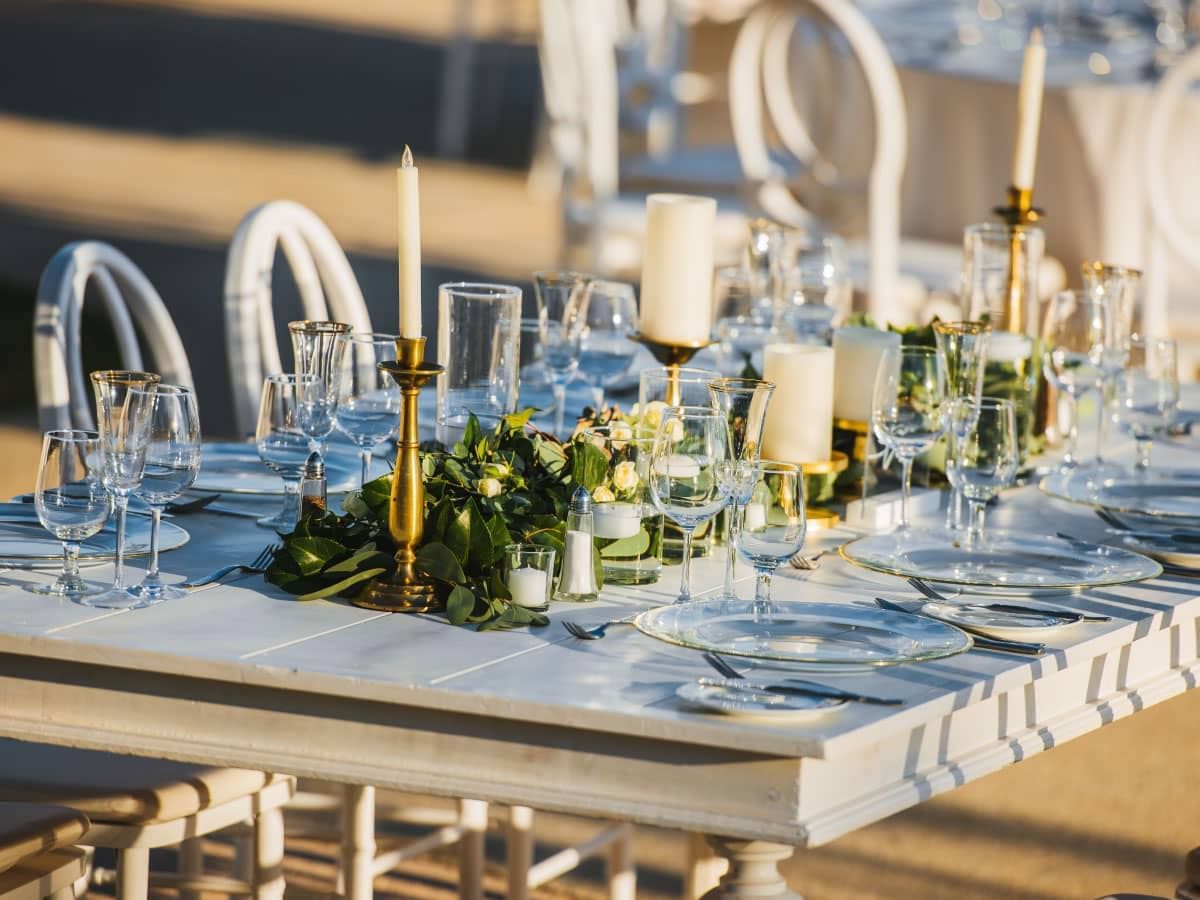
(753, 870)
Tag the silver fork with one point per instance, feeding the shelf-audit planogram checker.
(594, 634)
(258, 566)
(1066, 615)
(807, 563)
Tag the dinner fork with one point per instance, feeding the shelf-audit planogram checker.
(594, 634)
(1066, 615)
(807, 563)
(258, 566)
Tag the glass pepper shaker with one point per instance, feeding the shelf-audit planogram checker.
(313, 497)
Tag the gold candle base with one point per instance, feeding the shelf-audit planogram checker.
(672, 356)
(819, 518)
(406, 589)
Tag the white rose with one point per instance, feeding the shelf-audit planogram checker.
(652, 417)
(675, 431)
(489, 487)
(496, 470)
(619, 435)
(603, 495)
(625, 476)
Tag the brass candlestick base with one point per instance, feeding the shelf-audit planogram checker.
(819, 518)
(406, 589)
(672, 356)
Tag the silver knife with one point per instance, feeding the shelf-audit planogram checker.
(982, 641)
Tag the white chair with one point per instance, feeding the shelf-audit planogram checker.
(328, 290)
(64, 395)
(37, 859)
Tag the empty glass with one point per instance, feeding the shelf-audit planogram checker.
(282, 437)
(562, 299)
(318, 349)
(964, 346)
(987, 279)
(1147, 393)
(731, 293)
(368, 408)
(123, 406)
(764, 264)
(740, 341)
(815, 273)
(773, 526)
(606, 351)
(1073, 340)
(691, 446)
(982, 456)
(172, 463)
(908, 408)
(1118, 287)
(71, 503)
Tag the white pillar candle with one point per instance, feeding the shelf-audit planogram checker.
(528, 587)
(678, 465)
(408, 219)
(1029, 111)
(677, 269)
(616, 520)
(1006, 347)
(856, 355)
(755, 517)
(799, 426)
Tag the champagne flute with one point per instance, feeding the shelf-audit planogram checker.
(964, 346)
(318, 349)
(982, 456)
(123, 406)
(1119, 288)
(172, 463)
(368, 408)
(690, 447)
(562, 299)
(71, 503)
(1073, 345)
(774, 526)
(288, 404)
(606, 351)
(907, 412)
(1147, 393)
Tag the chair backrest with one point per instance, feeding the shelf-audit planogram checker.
(1166, 230)
(328, 290)
(760, 69)
(63, 393)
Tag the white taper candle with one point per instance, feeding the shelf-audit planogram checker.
(409, 232)
(1029, 111)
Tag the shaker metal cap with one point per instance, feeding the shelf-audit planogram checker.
(314, 467)
(581, 500)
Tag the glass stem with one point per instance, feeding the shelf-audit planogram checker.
(1071, 438)
(1104, 400)
(976, 511)
(685, 569)
(70, 572)
(732, 527)
(906, 487)
(365, 455)
(764, 610)
(954, 510)
(1143, 453)
(122, 504)
(598, 399)
(152, 578)
(560, 408)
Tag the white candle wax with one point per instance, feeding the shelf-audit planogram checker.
(616, 520)
(409, 231)
(755, 517)
(1029, 111)
(799, 426)
(1006, 347)
(856, 355)
(528, 586)
(677, 269)
(678, 465)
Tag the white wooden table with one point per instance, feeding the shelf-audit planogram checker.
(242, 675)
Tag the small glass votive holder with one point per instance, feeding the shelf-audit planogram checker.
(529, 574)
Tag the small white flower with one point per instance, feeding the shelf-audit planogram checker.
(619, 435)
(675, 431)
(652, 417)
(496, 470)
(603, 495)
(489, 487)
(625, 476)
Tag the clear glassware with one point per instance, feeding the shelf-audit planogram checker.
(282, 436)
(1119, 287)
(908, 407)
(964, 346)
(71, 503)
(562, 299)
(731, 293)
(606, 351)
(529, 574)
(319, 350)
(691, 446)
(815, 273)
(764, 265)
(740, 341)
(368, 407)
(123, 407)
(1147, 393)
(743, 402)
(774, 526)
(982, 456)
(656, 386)
(1074, 331)
(986, 281)
(172, 463)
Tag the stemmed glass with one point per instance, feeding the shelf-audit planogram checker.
(982, 456)
(1073, 341)
(562, 300)
(743, 402)
(1147, 393)
(606, 351)
(690, 447)
(774, 527)
(172, 463)
(282, 435)
(907, 411)
(964, 346)
(71, 503)
(319, 350)
(1117, 287)
(368, 409)
(123, 407)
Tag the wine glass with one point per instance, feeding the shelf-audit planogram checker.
(71, 503)
(288, 404)
(773, 526)
(1073, 340)
(907, 412)
(982, 456)
(319, 350)
(1118, 287)
(368, 408)
(1147, 393)
(172, 463)
(562, 299)
(964, 345)
(606, 351)
(690, 447)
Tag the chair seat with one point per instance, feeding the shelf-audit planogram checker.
(27, 829)
(116, 789)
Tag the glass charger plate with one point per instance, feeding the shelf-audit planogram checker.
(25, 544)
(235, 468)
(839, 635)
(1004, 560)
(1173, 493)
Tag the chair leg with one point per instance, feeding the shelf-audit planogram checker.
(191, 864)
(133, 873)
(473, 816)
(356, 879)
(703, 869)
(518, 848)
(621, 872)
(268, 855)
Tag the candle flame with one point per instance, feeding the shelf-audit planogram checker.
(406, 160)
(1035, 36)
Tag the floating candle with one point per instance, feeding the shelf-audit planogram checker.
(616, 520)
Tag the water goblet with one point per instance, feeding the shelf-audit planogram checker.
(283, 434)
(690, 447)
(774, 526)
(172, 463)
(562, 299)
(123, 406)
(1147, 393)
(319, 350)
(964, 345)
(982, 455)
(71, 503)
(1118, 288)
(1073, 339)
(606, 351)
(908, 408)
(368, 408)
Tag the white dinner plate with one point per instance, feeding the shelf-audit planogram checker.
(236, 468)
(1009, 626)
(741, 700)
(26, 544)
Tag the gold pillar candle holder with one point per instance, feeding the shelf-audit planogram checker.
(820, 517)
(672, 357)
(406, 589)
(1018, 214)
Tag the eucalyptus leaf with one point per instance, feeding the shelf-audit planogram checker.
(459, 605)
(438, 561)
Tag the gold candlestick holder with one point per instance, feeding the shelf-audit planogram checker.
(672, 357)
(406, 589)
(1018, 214)
(819, 517)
